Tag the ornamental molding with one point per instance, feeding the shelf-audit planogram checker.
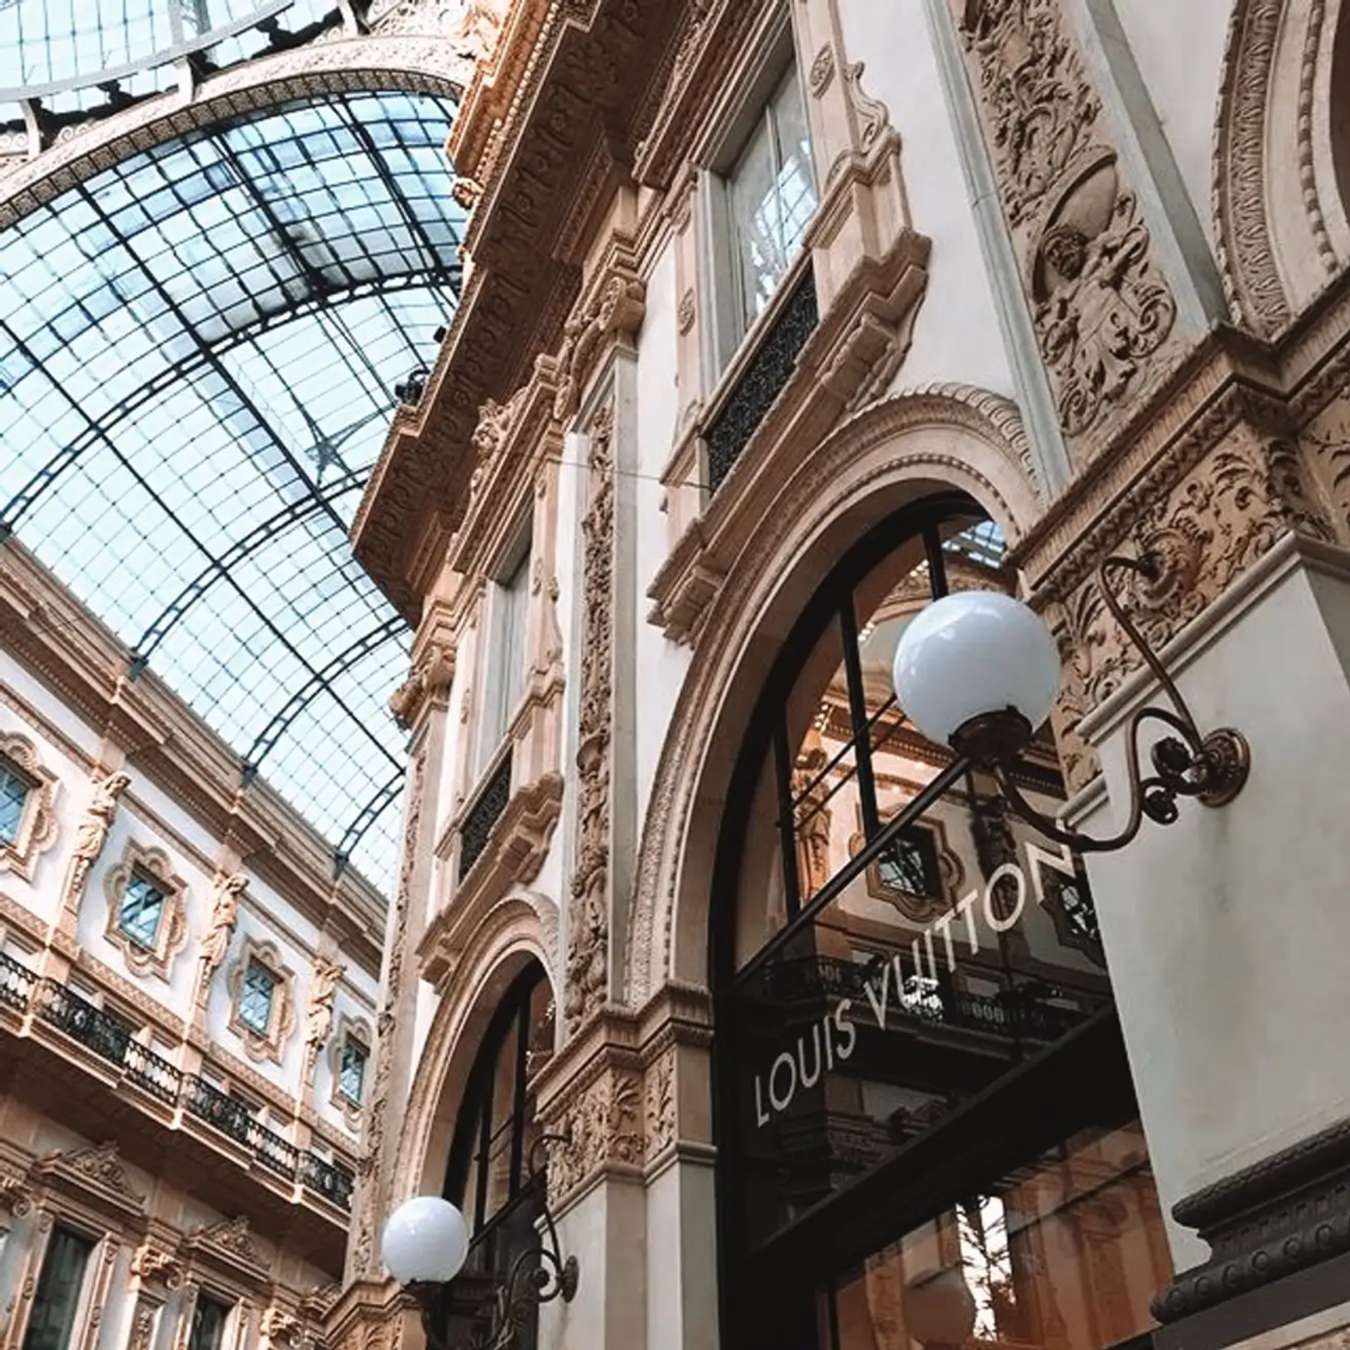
(270, 1044)
(154, 865)
(586, 68)
(16, 1195)
(514, 854)
(586, 978)
(428, 683)
(1101, 307)
(614, 1092)
(356, 1029)
(152, 1265)
(38, 826)
(226, 1247)
(1279, 221)
(1284, 1213)
(954, 435)
(95, 1174)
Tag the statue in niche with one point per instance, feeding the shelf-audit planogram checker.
(92, 832)
(327, 974)
(224, 915)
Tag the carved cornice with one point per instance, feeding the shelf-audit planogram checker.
(589, 69)
(1284, 1213)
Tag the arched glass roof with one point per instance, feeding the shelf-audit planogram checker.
(198, 348)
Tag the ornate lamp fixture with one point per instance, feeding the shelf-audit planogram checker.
(980, 671)
(426, 1243)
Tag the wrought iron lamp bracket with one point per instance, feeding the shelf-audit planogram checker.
(538, 1275)
(1209, 766)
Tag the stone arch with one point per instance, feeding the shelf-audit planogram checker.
(1280, 218)
(371, 64)
(895, 451)
(519, 929)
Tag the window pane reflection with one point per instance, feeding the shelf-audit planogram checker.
(1065, 1252)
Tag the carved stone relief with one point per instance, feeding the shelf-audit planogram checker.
(319, 1017)
(92, 833)
(225, 892)
(588, 917)
(1100, 305)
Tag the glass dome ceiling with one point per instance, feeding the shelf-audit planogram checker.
(198, 348)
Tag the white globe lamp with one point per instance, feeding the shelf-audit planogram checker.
(426, 1241)
(979, 671)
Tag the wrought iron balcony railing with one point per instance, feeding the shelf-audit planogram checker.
(483, 815)
(762, 380)
(113, 1040)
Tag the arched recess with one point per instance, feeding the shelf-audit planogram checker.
(519, 930)
(893, 452)
(1281, 156)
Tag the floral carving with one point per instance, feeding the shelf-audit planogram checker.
(588, 921)
(603, 1126)
(661, 1104)
(1101, 307)
(822, 70)
(688, 311)
(1040, 108)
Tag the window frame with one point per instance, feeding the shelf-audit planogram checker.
(351, 1042)
(270, 1044)
(497, 705)
(728, 334)
(153, 866)
(63, 1224)
(38, 826)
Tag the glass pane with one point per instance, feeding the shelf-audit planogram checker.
(503, 1126)
(13, 795)
(58, 1293)
(1066, 1252)
(918, 983)
(352, 1078)
(513, 638)
(255, 1002)
(142, 904)
(795, 184)
(756, 226)
(208, 1324)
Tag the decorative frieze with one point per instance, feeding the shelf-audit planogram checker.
(1101, 307)
(587, 977)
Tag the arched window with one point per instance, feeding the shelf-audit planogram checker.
(923, 1105)
(488, 1172)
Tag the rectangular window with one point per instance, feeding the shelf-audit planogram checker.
(352, 1070)
(255, 1001)
(911, 863)
(771, 197)
(208, 1324)
(141, 908)
(506, 661)
(57, 1303)
(14, 790)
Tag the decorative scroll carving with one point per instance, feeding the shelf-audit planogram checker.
(873, 115)
(588, 919)
(618, 308)
(151, 1265)
(1101, 305)
(431, 677)
(822, 70)
(281, 1327)
(92, 833)
(327, 975)
(225, 893)
(688, 311)
(37, 827)
(604, 1126)
(15, 1194)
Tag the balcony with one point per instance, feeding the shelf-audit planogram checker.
(188, 1097)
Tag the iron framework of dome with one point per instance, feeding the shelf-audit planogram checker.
(198, 352)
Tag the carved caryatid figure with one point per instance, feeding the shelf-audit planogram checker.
(225, 895)
(92, 832)
(327, 974)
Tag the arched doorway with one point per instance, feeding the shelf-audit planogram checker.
(926, 1129)
(490, 1170)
